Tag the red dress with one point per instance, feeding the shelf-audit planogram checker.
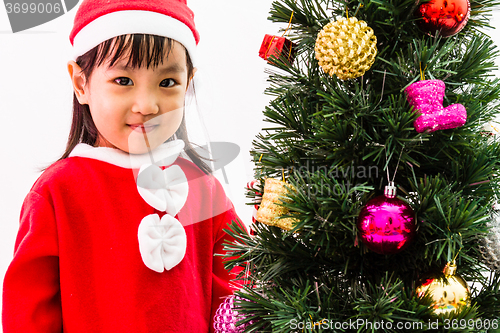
(77, 266)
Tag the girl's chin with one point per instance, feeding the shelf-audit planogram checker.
(139, 144)
(139, 148)
(136, 143)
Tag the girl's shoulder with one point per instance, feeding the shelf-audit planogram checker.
(195, 175)
(63, 174)
(205, 187)
(61, 170)
(191, 168)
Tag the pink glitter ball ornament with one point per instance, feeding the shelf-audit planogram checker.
(386, 224)
(427, 98)
(226, 317)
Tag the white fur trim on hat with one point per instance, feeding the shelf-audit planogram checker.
(132, 22)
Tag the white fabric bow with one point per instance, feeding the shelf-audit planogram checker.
(162, 243)
(165, 190)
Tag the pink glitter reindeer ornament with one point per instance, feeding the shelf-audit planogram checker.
(426, 97)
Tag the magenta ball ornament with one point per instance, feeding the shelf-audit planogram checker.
(386, 225)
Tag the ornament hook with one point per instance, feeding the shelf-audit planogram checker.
(390, 189)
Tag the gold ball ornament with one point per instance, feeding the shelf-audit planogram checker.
(270, 210)
(449, 291)
(346, 48)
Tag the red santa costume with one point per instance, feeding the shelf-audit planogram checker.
(101, 250)
(111, 242)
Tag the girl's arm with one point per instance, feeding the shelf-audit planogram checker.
(222, 286)
(31, 292)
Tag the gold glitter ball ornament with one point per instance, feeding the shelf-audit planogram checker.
(270, 210)
(449, 291)
(346, 47)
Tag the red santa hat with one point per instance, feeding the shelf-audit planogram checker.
(99, 20)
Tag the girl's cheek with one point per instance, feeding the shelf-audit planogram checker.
(178, 103)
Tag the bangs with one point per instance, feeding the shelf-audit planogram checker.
(140, 49)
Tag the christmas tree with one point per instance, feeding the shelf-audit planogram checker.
(375, 93)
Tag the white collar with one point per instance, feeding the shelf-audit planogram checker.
(164, 155)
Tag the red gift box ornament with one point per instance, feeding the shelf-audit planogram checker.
(279, 47)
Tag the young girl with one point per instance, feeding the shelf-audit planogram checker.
(119, 235)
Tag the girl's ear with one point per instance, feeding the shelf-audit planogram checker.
(78, 80)
(192, 76)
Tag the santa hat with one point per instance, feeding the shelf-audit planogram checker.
(99, 20)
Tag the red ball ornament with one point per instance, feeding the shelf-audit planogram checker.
(386, 224)
(446, 16)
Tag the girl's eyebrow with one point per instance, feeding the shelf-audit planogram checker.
(172, 68)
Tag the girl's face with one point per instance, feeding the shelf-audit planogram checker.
(127, 104)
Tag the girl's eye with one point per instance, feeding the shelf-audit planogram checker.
(123, 81)
(167, 83)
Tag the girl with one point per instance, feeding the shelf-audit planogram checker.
(119, 235)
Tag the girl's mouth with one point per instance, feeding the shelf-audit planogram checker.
(142, 128)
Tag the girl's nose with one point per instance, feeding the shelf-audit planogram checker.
(145, 103)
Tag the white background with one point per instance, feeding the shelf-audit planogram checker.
(36, 97)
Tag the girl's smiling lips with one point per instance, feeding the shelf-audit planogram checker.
(142, 127)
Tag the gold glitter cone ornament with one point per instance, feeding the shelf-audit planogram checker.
(449, 292)
(270, 208)
(346, 47)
